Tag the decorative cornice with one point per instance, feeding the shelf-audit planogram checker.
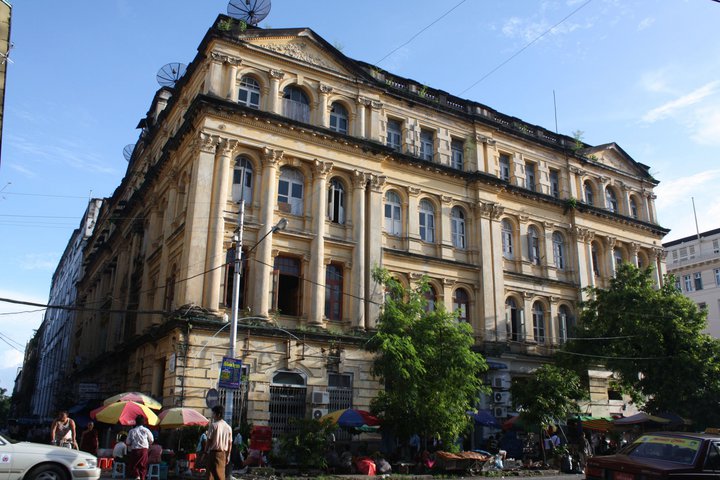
(325, 88)
(271, 157)
(376, 105)
(227, 146)
(322, 169)
(205, 143)
(446, 199)
(491, 210)
(610, 241)
(275, 73)
(299, 50)
(377, 182)
(225, 58)
(364, 101)
(414, 191)
(360, 179)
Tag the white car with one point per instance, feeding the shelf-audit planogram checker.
(35, 461)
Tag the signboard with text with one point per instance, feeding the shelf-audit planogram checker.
(230, 373)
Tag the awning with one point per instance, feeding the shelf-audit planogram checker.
(600, 424)
(484, 418)
(639, 418)
(496, 365)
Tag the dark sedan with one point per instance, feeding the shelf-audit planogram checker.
(676, 455)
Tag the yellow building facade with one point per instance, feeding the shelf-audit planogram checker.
(508, 221)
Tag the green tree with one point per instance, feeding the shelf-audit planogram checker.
(550, 395)
(651, 338)
(5, 402)
(425, 359)
(307, 444)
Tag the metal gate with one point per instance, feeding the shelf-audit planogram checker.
(239, 403)
(286, 402)
(340, 398)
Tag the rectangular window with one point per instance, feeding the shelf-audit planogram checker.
(505, 167)
(717, 277)
(683, 253)
(530, 176)
(333, 292)
(716, 246)
(698, 281)
(702, 306)
(394, 134)
(674, 256)
(555, 183)
(678, 287)
(427, 144)
(688, 283)
(457, 148)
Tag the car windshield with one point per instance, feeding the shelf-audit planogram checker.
(661, 447)
(4, 438)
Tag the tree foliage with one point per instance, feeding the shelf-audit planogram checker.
(306, 445)
(425, 359)
(550, 395)
(651, 338)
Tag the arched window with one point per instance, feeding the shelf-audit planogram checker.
(611, 200)
(249, 92)
(566, 324)
(533, 245)
(242, 180)
(618, 257)
(296, 104)
(588, 193)
(290, 191)
(336, 202)
(538, 314)
(507, 239)
(333, 292)
(427, 221)
(431, 298)
(457, 225)
(461, 304)
(558, 250)
(393, 216)
(338, 118)
(515, 319)
(633, 208)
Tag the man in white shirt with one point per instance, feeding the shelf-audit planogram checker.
(219, 445)
(138, 441)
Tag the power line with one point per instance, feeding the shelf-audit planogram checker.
(421, 31)
(526, 46)
(613, 358)
(5, 337)
(22, 312)
(44, 195)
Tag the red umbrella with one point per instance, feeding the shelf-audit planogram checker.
(181, 417)
(123, 413)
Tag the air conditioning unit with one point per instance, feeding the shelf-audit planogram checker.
(320, 397)
(501, 398)
(318, 413)
(500, 412)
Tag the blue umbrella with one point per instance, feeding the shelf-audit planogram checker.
(484, 418)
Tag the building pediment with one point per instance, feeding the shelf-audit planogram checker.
(611, 155)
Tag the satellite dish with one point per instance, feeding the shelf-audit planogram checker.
(251, 12)
(170, 73)
(128, 151)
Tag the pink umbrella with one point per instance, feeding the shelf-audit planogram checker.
(181, 417)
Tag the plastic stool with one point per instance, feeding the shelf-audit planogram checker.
(118, 470)
(153, 472)
(105, 463)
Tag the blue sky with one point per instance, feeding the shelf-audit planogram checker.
(640, 73)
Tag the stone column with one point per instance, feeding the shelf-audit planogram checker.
(374, 291)
(317, 247)
(232, 81)
(214, 78)
(263, 251)
(215, 253)
(375, 121)
(482, 156)
(362, 104)
(275, 104)
(197, 218)
(552, 323)
(585, 275)
(324, 108)
(522, 252)
(657, 258)
(360, 180)
(574, 176)
(610, 243)
(652, 218)
(413, 220)
(493, 281)
(634, 250)
(549, 254)
(443, 234)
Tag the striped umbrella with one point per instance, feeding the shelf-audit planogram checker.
(352, 418)
(136, 397)
(181, 417)
(123, 413)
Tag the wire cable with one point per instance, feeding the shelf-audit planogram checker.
(421, 31)
(526, 46)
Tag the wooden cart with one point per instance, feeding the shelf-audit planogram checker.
(469, 462)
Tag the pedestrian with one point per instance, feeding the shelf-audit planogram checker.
(89, 439)
(219, 445)
(138, 440)
(62, 431)
(120, 449)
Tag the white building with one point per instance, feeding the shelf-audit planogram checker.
(695, 262)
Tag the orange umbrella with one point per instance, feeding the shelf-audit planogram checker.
(181, 417)
(123, 413)
(136, 397)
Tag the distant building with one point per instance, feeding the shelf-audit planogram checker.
(695, 262)
(509, 221)
(51, 388)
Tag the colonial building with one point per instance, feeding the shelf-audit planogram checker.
(508, 220)
(695, 262)
(57, 327)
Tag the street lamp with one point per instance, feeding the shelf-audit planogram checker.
(237, 274)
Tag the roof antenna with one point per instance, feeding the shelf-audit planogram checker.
(555, 106)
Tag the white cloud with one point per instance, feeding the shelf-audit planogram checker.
(18, 168)
(657, 82)
(39, 261)
(11, 359)
(645, 23)
(17, 324)
(671, 192)
(674, 106)
(72, 154)
(707, 126)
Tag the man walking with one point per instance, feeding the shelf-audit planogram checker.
(138, 441)
(218, 446)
